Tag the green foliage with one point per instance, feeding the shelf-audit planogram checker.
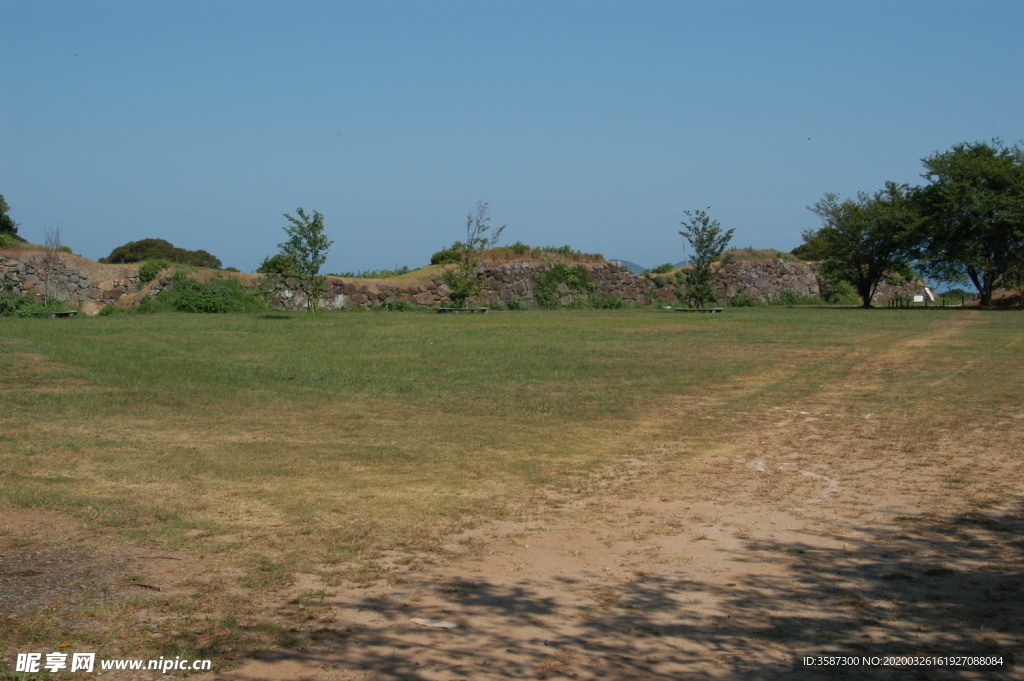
(465, 281)
(307, 246)
(393, 304)
(813, 249)
(863, 241)
(659, 281)
(708, 241)
(116, 311)
(6, 240)
(449, 255)
(374, 274)
(149, 270)
(12, 302)
(189, 295)
(546, 284)
(278, 264)
(662, 269)
(160, 249)
(519, 248)
(789, 297)
(8, 227)
(973, 215)
(609, 303)
(742, 300)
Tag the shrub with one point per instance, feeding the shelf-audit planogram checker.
(189, 295)
(277, 264)
(789, 297)
(11, 302)
(742, 300)
(519, 248)
(7, 240)
(453, 254)
(609, 303)
(662, 269)
(149, 270)
(397, 305)
(546, 291)
(659, 281)
(516, 304)
(156, 249)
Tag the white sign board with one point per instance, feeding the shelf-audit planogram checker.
(918, 299)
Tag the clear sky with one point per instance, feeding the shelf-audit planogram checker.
(588, 123)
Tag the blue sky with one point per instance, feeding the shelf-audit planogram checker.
(593, 124)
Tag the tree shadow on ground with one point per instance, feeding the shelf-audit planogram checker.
(923, 585)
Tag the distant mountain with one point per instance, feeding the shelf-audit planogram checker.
(633, 267)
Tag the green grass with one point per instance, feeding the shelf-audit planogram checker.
(273, 444)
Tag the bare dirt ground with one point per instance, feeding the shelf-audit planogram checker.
(824, 529)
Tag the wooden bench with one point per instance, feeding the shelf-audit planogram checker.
(457, 310)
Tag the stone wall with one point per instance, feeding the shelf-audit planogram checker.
(69, 279)
(92, 286)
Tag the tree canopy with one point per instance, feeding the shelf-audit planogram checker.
(708, 240)
(973, 215)
(160, 249)
(863, 240)
(306, 249)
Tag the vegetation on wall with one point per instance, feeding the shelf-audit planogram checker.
(160, 249)
(546, 284)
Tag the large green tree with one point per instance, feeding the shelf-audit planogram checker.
(973, 215)
(708, 241)
(307, 248)
(863, 240)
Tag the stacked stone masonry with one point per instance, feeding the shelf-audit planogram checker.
(67, 281)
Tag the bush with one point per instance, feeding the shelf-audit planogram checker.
(742, 300)
(160, 249)
(397, 305)
(7, 240)
(189, 295)
(149, 270)
(277, 264)
(516, 303)
(609, 303)
(659, 281)
(789, 297)
(11, 303)
(449, 255)
(662, 269)
(519, 248)
(546, 291)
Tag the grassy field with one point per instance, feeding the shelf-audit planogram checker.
(279, 445)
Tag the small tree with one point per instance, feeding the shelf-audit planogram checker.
(51, 259)
(307, 247)
(862, 241)
(707, 240)
(464, 282)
